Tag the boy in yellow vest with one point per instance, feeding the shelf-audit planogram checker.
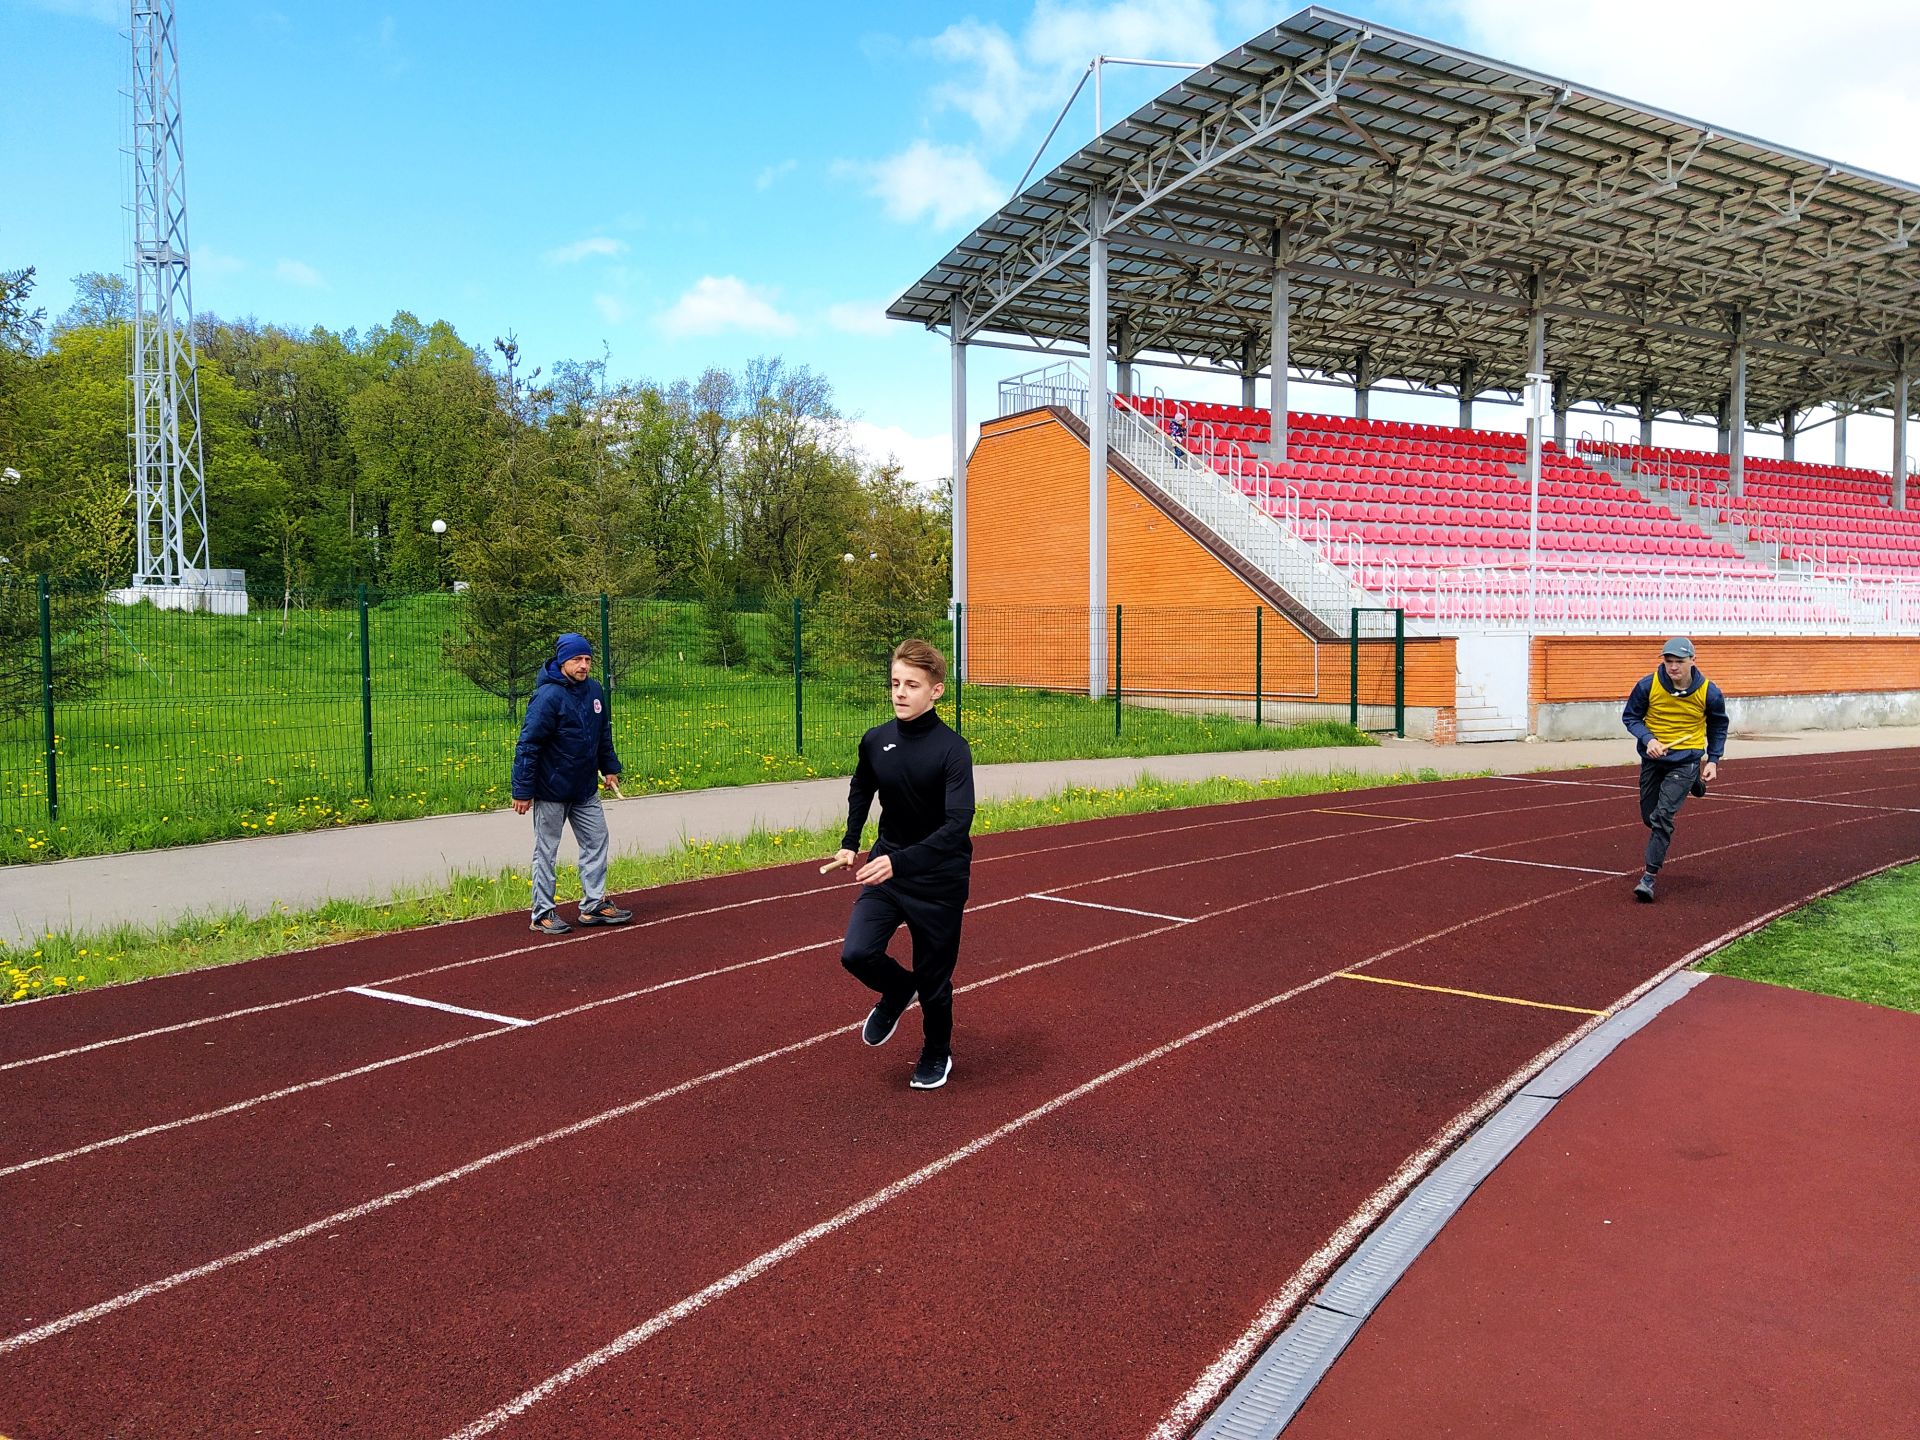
(1679, 718)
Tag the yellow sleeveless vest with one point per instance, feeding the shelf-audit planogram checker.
(1678, 721)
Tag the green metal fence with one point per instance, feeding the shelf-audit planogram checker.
(125, 725)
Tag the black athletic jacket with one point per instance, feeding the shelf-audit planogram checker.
(923, 773)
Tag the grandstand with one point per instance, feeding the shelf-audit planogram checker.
(1337, 202)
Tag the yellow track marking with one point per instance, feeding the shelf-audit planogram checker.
(1470, 994)
(1366, 815)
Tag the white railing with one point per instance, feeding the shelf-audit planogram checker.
(1062, 383)
(1631, 600)
(1314, 578)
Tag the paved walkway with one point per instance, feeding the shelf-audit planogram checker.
(373, 862)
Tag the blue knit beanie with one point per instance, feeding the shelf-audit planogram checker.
(570, 645)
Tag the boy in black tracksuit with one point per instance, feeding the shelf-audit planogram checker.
(918, 872)
(1679, 719)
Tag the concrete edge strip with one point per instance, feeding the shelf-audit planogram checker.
(1272, 1391)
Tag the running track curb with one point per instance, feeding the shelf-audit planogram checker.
(1271, 1393)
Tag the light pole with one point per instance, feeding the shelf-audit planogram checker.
(440, 552)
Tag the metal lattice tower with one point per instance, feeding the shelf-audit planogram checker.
(169, 486)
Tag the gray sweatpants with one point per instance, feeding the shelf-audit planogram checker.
(589, 823)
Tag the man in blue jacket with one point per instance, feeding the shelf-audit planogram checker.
(1679, 719)
(566, 746)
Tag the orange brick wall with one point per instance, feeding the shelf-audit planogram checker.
(1187, 620)
(1569, 668)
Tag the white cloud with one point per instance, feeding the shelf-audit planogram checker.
(1844, 85)
(861, 317)
(612, 308)
(581, 249)
(206, 260)
(938, 183)
(925, 460)
(718, 303)
(774, 173)
(1006, 82)
(298, 272)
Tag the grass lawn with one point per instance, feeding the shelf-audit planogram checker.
(1862, 943)
(209, 727)
(70, 960)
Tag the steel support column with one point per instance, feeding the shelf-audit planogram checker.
(1901, 377)
(1467, 391)
(1249, 371)
(1536, 417)
(1097, 450)
(1362, 380)
(957, 317)
(1560, 412)
(1839, 437)
(1789, 423)
(1646, 416)
(1737, 409)
(1277, 360)
(1123, 353)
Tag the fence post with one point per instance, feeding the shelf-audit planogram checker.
(1259, 661)
(606, 653)
(1116, 672)
(1353, 672)
(46, 700)
(1400, 673)
(799, 662)
(959, 649)
(366, 696)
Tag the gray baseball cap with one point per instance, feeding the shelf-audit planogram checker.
(1680, 648)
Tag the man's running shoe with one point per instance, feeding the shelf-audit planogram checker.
(932, 1071)
(605, 913)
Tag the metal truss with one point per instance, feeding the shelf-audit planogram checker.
(1425, 203)
(169, 486)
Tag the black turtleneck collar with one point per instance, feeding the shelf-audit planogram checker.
(921, 724)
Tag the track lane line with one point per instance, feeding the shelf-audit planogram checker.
(1094, 905)
(392, 1198)
(1473, 994)
(284, 1092)
(396, 997)
(1538, 864)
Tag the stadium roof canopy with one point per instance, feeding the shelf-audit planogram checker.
(1425, 201)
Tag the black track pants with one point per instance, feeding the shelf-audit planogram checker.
(934, 926)
(1663, 788)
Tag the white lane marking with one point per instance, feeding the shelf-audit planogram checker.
(434, 1182)
(1122, 909)
(1538, 864)
(672, 1315)
(398, 998)
(237, 1106)
(120, 1302)
(598, 934)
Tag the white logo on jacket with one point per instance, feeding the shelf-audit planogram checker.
(885, 748)
(596, 707)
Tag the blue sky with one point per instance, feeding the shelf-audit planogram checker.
(688, 185)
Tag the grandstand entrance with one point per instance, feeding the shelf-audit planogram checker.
(1377, 671)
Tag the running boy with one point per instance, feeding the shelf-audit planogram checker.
(918, 872)
(1679, 719)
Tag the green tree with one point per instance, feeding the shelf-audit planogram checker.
(517, 567)
(793, 489)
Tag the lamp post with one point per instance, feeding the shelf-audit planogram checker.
(440, 552)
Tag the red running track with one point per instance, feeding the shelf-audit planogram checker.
(654, 1185)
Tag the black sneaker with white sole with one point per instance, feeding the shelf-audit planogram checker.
(882, 1021)
(605, 913)
(550, 924)
(1698, 789)
(932, 1071)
